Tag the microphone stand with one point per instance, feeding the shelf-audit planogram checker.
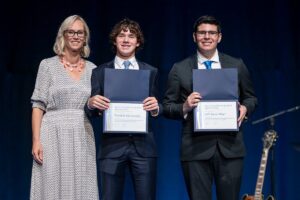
(276, 115)
(271, 119)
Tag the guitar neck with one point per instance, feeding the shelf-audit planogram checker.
(261, 175)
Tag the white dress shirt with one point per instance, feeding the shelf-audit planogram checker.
(119, 63)
(214, 65)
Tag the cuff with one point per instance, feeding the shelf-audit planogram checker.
(154, 113)
(87, 104)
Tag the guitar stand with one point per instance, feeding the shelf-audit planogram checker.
(272, 158)
(272, 168)
(271, 119)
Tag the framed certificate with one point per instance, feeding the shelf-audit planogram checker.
(216, 116)
(125, 117)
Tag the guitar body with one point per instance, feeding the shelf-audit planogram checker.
(249, 197)
(270, 197)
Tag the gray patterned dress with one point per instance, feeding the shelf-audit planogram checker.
(69, 161)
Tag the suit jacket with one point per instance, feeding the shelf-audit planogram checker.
(114, 145)
(201, 146)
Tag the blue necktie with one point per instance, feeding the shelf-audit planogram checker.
(208, 64)
(126, 64)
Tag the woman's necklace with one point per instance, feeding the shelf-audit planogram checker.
(73, 67)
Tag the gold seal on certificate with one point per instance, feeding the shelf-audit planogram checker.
(125, 117)
(216, 116)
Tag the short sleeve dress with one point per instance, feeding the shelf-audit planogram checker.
(69, 159)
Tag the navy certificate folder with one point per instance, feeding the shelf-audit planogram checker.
(219, 91)
(216, 84)
(126, 85)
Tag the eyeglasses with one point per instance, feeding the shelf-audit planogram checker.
(71, 33)
(210, 33)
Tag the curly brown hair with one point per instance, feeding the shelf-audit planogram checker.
(124, 25)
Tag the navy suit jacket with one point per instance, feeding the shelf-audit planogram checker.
(201, 146)
(113, 145)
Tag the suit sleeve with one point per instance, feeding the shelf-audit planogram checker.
(172, 105)
(96, 90)
(154, 92)
(247, 95)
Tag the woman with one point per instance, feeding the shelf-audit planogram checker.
(63, 147)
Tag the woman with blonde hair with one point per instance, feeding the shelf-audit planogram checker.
(63, 145)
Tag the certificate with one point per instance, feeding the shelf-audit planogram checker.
(124, 117)
(216, 116)
(217, 110)
(126, 90)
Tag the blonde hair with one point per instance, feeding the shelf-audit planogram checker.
(59, 44)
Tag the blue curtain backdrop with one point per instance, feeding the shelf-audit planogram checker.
(265, 33)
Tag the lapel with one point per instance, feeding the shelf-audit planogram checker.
(190, 64)
(194, 62)
(110, 64)
(224, 62)
(101, 73)
(141, 65)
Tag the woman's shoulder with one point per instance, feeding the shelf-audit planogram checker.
(52, 59)
(90, 64)
(47, 63)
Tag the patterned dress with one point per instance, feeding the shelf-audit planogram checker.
(69, 161)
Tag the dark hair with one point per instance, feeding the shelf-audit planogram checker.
(207, 19)
(126, 24)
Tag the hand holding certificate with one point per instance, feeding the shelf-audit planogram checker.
(217, 110)
(126, 90)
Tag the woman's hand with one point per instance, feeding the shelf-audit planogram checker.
(37, 152)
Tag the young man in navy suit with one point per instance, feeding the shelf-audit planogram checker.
(214, 157)
(120, 151)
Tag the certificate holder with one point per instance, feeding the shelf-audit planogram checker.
(218, 108)
(127, 90)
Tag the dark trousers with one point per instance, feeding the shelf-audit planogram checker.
(226, 173)
(142, 170)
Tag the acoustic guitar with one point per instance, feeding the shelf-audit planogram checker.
(268, 140)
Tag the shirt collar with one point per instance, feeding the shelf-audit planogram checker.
(202, 59)
(119, 62)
